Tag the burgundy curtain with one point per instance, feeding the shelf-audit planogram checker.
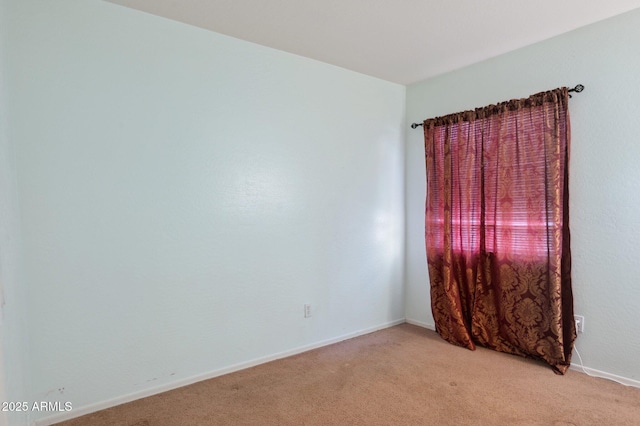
(497, 227)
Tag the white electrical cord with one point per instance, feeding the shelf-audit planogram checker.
(575, 349)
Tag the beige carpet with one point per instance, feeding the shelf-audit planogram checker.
(403, 375)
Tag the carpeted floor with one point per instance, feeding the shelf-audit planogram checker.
(404, 375)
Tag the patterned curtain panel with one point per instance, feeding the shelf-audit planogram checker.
(497, 227)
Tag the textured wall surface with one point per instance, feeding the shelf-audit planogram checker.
(183, 194)
(604, 173)
(13, 303)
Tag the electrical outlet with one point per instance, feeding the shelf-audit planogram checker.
(307, 310)
(579, 319)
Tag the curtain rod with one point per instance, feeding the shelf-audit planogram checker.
(579, 88)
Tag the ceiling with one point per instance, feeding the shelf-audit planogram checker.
(403, 41)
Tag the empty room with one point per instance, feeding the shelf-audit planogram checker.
(219, 212)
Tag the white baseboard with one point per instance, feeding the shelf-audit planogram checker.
(604, 375)
(421, 324)
(92, 408)
(577, 367)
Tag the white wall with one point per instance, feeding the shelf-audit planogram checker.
(183, 194)
(604, 173)
(13, 307)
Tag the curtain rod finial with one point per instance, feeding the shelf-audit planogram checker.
(579, 88)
